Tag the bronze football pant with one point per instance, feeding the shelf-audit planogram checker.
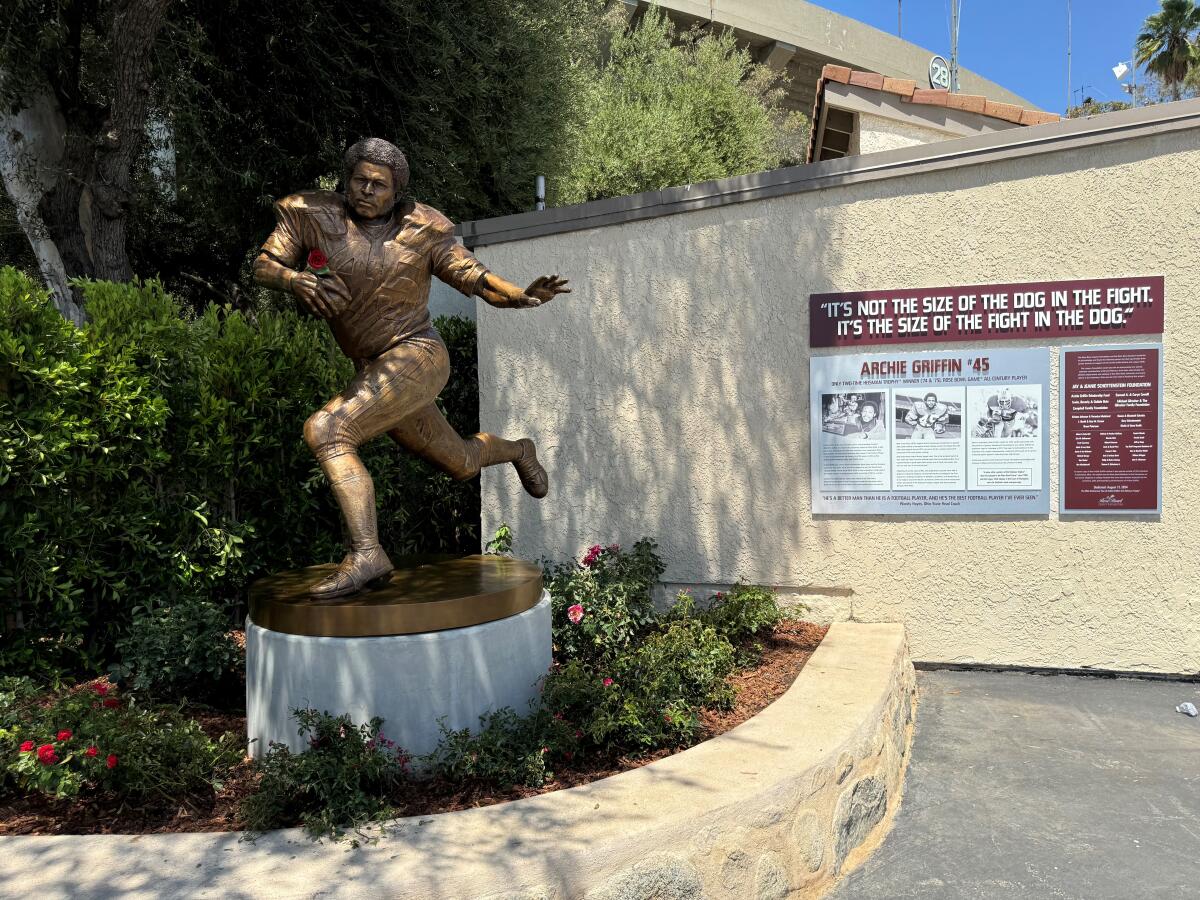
(394, 393)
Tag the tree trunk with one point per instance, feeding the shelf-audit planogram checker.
(68, 165)
(31, 145)
(135, 28)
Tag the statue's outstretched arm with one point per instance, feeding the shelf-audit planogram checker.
(498, 292)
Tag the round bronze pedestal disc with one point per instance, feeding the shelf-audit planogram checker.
(424, 594)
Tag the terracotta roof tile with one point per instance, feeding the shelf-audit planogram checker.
(840, 74)
(1009, 112)
(871, 80)
(1033, 117)
(902, 86)
(931, 97)
(967, 102)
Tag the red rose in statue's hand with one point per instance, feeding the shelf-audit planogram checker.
(317, 261)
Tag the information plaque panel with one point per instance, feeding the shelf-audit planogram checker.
(931, 433)
(1111, 429)
(1099, 307)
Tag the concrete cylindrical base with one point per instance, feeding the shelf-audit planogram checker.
(409, 680)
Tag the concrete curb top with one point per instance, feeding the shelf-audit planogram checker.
(787, 800)
(1070, 134)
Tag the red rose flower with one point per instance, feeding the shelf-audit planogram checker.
(90, 751)
(27, 747)
(112, 703)
(46, 755)
(111, 762)
(100, 688)
(64, 735)
(317, 260)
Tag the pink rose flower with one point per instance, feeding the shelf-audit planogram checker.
(608, 682)
(593, 554)
(575, 614)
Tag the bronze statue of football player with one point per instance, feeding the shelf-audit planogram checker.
(370, 257)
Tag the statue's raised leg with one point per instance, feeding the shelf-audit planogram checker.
(427, 434)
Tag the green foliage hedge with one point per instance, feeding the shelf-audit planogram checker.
(151, 457)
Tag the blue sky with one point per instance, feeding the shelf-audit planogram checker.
(1021, 44)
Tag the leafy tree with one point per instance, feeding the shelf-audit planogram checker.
(1091, 107)
(268, 94)
(669, 108)
(1166, 45)
(246, 101)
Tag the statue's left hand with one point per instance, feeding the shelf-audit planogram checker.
(543, 290)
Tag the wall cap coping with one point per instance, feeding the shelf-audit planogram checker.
(1009, 144)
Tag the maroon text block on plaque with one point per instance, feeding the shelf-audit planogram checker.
(1111, 429)
(988, 312)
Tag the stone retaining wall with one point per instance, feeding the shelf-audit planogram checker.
(777, 807)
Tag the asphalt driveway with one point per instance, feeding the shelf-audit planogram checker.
(1034, 786)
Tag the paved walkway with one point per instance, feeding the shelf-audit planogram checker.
(1031, 786)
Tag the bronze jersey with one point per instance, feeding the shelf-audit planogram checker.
(386, 266)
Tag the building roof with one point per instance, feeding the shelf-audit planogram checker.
(907, 91)
(797, 38)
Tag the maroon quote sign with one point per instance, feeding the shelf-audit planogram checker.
(1110, 429)
(988, 312)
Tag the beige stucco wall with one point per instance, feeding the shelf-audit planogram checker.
(668, 395)
(878, 133)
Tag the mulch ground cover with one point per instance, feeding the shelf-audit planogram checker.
(785, 651)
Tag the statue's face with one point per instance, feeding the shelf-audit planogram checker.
(371, 192)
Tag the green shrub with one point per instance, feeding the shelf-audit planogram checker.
(501, 542)
(651, 696)
(506, 749)
(151, 458)
(342, 781)
(600, 605)
(743, 612)
(181, 651)
(90, 739)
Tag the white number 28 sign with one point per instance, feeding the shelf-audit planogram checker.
(939, 73)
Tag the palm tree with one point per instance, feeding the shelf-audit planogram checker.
(1165, 45)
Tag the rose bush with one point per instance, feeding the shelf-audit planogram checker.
(88, 739)
(600, 605)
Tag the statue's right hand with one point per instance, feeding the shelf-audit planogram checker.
(307, 288)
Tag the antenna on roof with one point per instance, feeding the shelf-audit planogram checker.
(954, 20)
(1070, 93)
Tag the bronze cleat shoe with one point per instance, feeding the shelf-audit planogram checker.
(360, 569)
(533, 477)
